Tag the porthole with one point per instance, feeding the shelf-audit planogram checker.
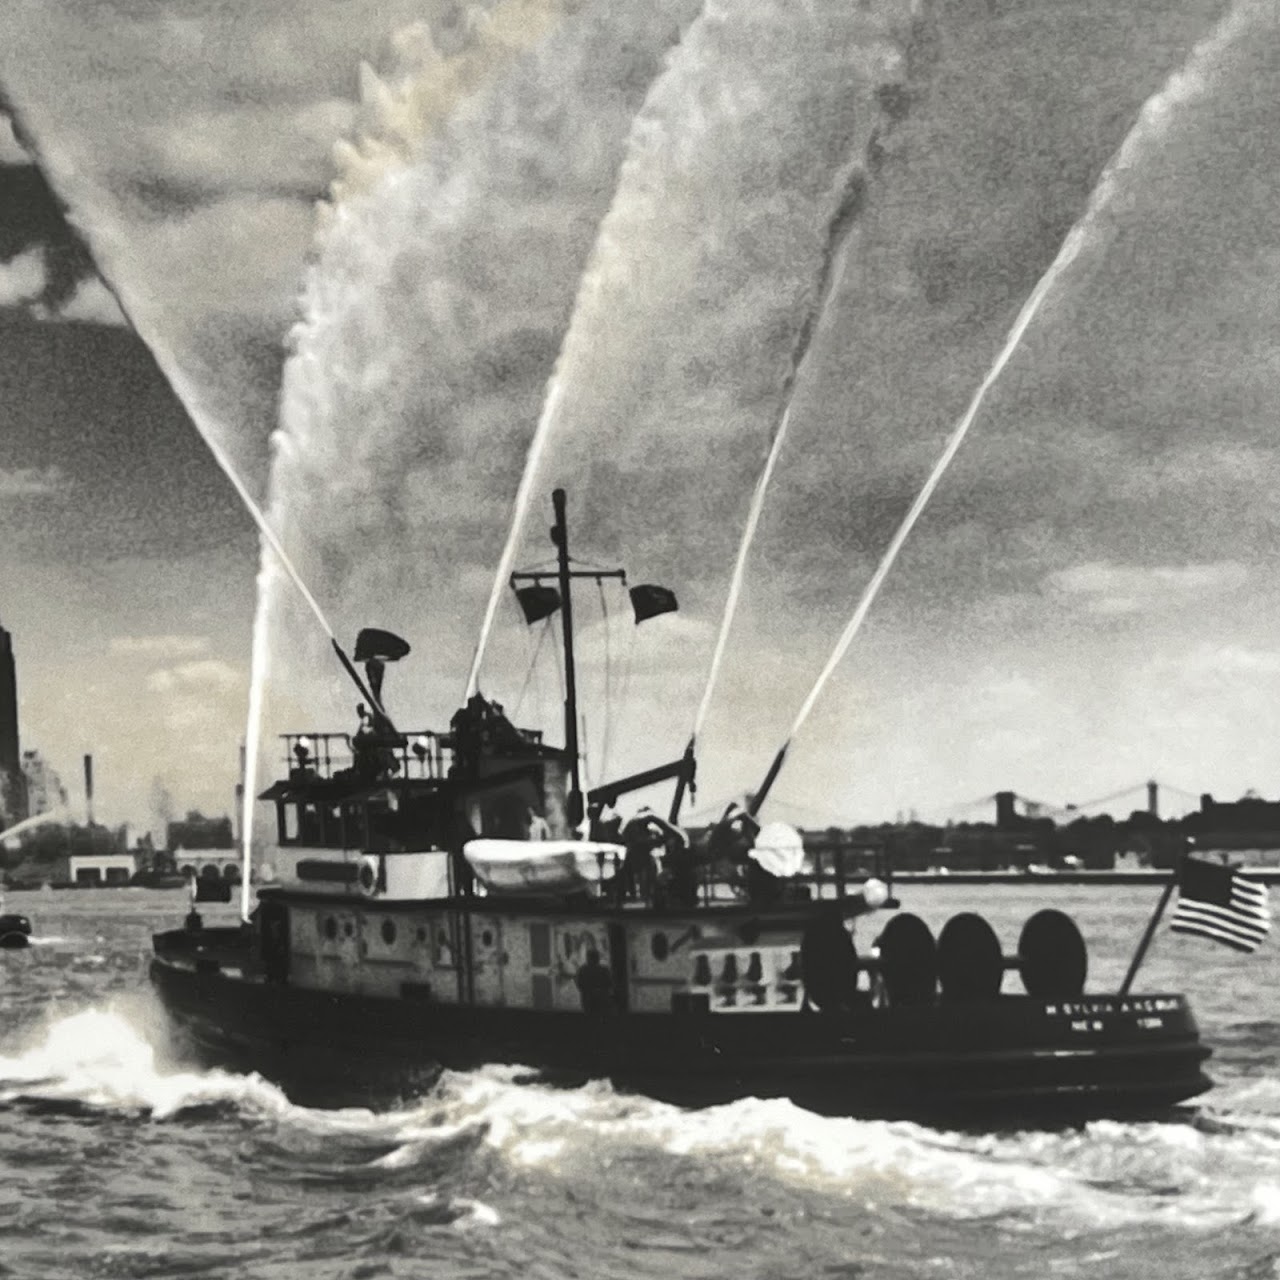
(486, 938)
(348, 928)
(660, 947)
(389, 932)
(422, 933)
(330, 928)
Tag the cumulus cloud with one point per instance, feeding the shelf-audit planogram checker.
(205, 676)
(22, 279)
(27, 482)
(160, 646)
(204, 698)
(1119, 589)
(1213, 663)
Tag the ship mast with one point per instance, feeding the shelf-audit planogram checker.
(560, 536)
(565, 575)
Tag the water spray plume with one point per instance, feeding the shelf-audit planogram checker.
(831, 272)
(1182, 86)
(260, 660)
(269, 535)
(36, 820)
(519, 511)
(669, 222)
(407, 112)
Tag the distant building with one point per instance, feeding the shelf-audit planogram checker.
(101, 868)
(13, 785)
(196, 831)
(1247, 823)
(208, 864)
(45, 792)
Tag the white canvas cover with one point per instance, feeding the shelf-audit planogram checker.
(779, 849)
(539, 866)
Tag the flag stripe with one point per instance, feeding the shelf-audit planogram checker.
(1234, 943)
(1206, 910)
(1260, 915)
(1242, 921)
(1219, 927)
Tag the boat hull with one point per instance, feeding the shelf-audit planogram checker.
(15, 932)
(1014, 1058)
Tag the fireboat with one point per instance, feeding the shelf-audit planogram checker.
(453, 899)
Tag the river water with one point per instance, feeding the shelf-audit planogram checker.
(120, 1162)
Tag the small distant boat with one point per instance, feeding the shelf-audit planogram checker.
(15, 932)
(417, 923)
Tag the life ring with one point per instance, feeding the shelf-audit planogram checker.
(15, 932)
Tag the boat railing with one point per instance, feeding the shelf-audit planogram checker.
(419, 754)
(828, 873)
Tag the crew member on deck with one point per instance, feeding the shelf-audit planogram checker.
(730, 842)
(680, 870)
(639, 869)
(538, 828)
(595, 985)
(370, 757)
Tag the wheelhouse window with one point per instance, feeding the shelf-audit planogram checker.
(403, 821)
(302, 822)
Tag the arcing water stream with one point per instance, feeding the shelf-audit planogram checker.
(1193, 80)
(438, 295)
(700, 251)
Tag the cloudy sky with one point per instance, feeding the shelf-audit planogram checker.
(376, 227)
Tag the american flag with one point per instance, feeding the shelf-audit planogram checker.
(1216, 902)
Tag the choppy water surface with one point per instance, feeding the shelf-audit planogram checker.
(120, 1162)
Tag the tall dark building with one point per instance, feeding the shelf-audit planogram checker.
(13, 786)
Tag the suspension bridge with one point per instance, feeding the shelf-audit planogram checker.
(1150, 795)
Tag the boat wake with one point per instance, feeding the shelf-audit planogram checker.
(111, 1059)
(1218, 1167)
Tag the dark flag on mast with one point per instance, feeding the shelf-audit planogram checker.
(537, 602)
(375, 648)
(648, 600)
(1215, 902)
(373, 642)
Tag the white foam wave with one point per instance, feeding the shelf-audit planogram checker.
(1107, 1174)
(474, 1213)
(100, 1058)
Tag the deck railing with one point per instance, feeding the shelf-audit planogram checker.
(420, 754)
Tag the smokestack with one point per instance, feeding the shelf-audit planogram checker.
(1006, 814)
(1153, 799)
(88, 788)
